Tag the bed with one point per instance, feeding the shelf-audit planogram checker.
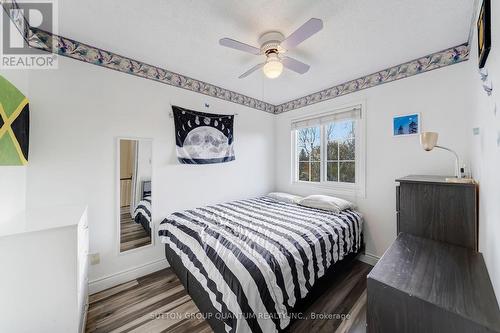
(142, 212)
(249, 264)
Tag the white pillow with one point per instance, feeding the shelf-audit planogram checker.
(284, 197)
(326, 202)
(344, 204)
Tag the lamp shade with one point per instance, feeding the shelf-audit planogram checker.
(273, 67)
(428, 140)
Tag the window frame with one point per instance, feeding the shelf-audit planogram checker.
(356, 189)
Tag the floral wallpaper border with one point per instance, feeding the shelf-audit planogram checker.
(428, 63)
(73, 49)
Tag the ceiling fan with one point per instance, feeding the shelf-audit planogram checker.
(273, 45)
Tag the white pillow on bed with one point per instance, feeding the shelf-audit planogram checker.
(326, 202)
(285, 197)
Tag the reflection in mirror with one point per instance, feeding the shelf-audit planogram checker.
(135, 193)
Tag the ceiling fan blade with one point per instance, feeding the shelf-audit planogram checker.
(234, 44)
(295, 65)
(301, 34)
(251, 70)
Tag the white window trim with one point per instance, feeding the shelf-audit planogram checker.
(354, 190)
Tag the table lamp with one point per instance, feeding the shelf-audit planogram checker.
(428, 140)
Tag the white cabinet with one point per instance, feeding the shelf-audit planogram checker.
(43, 271)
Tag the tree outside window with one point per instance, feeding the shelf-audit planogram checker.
(339, 162)
(341, 152)
(309, 154)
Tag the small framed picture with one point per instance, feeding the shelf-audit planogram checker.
(484, 32)
(406, 125)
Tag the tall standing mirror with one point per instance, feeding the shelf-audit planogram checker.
(135, 169)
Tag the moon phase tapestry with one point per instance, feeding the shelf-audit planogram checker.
(203, 138)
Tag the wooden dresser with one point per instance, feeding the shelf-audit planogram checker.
(424, 286)
(432, 279)
(430, 207)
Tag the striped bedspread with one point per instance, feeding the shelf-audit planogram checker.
(256, 258)
(144, 209)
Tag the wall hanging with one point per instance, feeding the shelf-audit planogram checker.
(203, 138)
(406, 125)
(14, 125)
(484, 32)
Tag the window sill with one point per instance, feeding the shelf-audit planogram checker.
(345, 189)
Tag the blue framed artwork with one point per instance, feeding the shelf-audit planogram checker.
(406, 125)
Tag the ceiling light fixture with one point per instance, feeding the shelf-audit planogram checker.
(273, 45)
(273, 66)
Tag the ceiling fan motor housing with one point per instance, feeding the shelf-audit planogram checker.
(270, 42)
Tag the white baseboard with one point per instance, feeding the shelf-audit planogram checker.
(126, 275)
(368, 258)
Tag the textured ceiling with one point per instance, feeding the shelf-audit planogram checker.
(359, 36)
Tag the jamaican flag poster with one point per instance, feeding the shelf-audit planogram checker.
(14, 125)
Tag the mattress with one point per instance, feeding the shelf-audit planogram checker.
(257, 258)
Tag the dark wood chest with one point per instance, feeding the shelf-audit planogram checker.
(425, 286)
(431, 207)
(433, 279)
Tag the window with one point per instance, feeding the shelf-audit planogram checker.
(329, 150)
(341, 151)
(309, 147)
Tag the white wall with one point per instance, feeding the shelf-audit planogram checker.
(79, 110)
(486, 151)
(13, 191)
(441, 96)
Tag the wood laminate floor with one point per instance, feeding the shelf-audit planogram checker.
(159, 303)
(132, 235)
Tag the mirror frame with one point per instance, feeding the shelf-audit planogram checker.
(117, 196)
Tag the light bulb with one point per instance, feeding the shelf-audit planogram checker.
(273, 67)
